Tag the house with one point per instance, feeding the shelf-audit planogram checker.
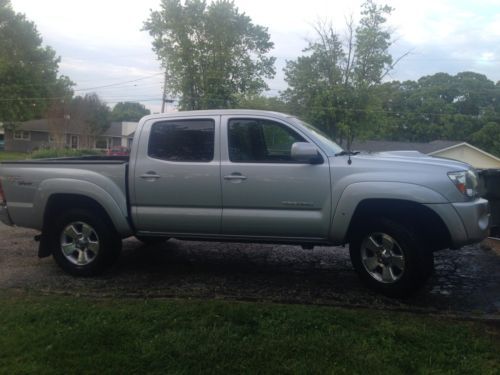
(457, 150)
(44, 133)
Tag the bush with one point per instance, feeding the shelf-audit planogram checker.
(62, 153)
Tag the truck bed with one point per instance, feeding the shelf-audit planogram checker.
(94, 159)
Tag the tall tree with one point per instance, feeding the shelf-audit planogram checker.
(29, 78)
(333, 85)
(212, 54)
(129, 111)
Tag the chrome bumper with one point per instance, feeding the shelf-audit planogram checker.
(4, 215)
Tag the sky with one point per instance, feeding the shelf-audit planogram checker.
(101, 44)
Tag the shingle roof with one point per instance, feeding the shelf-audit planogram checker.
(425, 148)
(114, 130)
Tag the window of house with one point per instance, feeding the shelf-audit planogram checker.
(182, 140)
(260, 141)
(101, 142)
(22, 135)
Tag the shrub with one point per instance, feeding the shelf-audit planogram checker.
(62, 153)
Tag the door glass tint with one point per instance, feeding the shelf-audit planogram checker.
(183, 140)
(260, 141)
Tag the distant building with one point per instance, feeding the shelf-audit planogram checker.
(456, 150)
(44, 133)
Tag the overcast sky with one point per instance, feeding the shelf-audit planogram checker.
(101, 43)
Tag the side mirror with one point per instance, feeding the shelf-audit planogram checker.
(304, 152)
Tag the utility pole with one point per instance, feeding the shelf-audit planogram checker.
(164, 98)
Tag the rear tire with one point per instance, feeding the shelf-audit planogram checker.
(390, 259)
(83, 244)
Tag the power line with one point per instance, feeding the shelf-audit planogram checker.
(118, 83)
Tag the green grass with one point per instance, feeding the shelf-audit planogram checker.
(59, 335)
(7, 155)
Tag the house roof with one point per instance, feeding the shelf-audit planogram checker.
(114, 130)
(425, 148)
(45, 125)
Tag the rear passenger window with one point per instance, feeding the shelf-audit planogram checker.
(182, 140)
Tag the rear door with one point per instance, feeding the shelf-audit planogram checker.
(177, 176)
(265, 193)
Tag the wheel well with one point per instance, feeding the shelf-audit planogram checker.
(59, 203)
(429, 226)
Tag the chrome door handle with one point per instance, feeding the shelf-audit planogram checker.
(150, 176)
(235, 176)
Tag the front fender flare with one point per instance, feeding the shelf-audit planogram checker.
(357, 192)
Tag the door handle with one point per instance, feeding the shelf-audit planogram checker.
(150, 176)
(235, 176)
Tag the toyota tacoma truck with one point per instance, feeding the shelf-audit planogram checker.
(248, 176)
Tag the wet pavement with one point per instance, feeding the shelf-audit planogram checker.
(466, 282)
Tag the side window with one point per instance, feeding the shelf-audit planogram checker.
(182, 140)
(260, 141)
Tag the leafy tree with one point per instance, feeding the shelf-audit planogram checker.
(212, 54)
(129, 111)
(264, 103)
(28, 71)
(334, 84)
(90, 115)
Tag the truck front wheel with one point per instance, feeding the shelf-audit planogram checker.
(390, 258)
(83, 244)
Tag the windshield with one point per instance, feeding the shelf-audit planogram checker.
(330, 147)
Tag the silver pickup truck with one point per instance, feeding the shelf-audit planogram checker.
(256, 176)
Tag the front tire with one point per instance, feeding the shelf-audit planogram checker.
(390, 258)
(83, 244)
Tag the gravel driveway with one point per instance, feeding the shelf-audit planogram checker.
(466, 281)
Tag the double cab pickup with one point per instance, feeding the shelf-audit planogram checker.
(254, 176)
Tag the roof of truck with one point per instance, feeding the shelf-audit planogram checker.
(220, 112)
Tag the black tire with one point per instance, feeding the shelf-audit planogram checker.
(395, 273)
(101, 244)
(150, 240)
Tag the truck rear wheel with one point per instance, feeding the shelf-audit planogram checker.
(390, 258)
(83, 244)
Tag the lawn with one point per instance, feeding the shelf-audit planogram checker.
(59, 335)
(7, 155)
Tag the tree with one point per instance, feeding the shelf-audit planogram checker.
(90, 115)
(129, 111)
(28, 71)
(334, 84)
(212, 54)
(264, 103)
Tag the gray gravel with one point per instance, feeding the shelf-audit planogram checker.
(466, 281)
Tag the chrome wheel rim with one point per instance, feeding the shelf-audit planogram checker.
(382, 257)
(79, 243)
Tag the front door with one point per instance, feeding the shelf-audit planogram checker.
(266, 193)
(176, 181)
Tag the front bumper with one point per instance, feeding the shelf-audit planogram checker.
(4, 215)
(467, 222)
(475, 216)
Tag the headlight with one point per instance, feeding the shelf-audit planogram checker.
(466, 182)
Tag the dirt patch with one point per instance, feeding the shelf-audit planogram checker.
(492, 244)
